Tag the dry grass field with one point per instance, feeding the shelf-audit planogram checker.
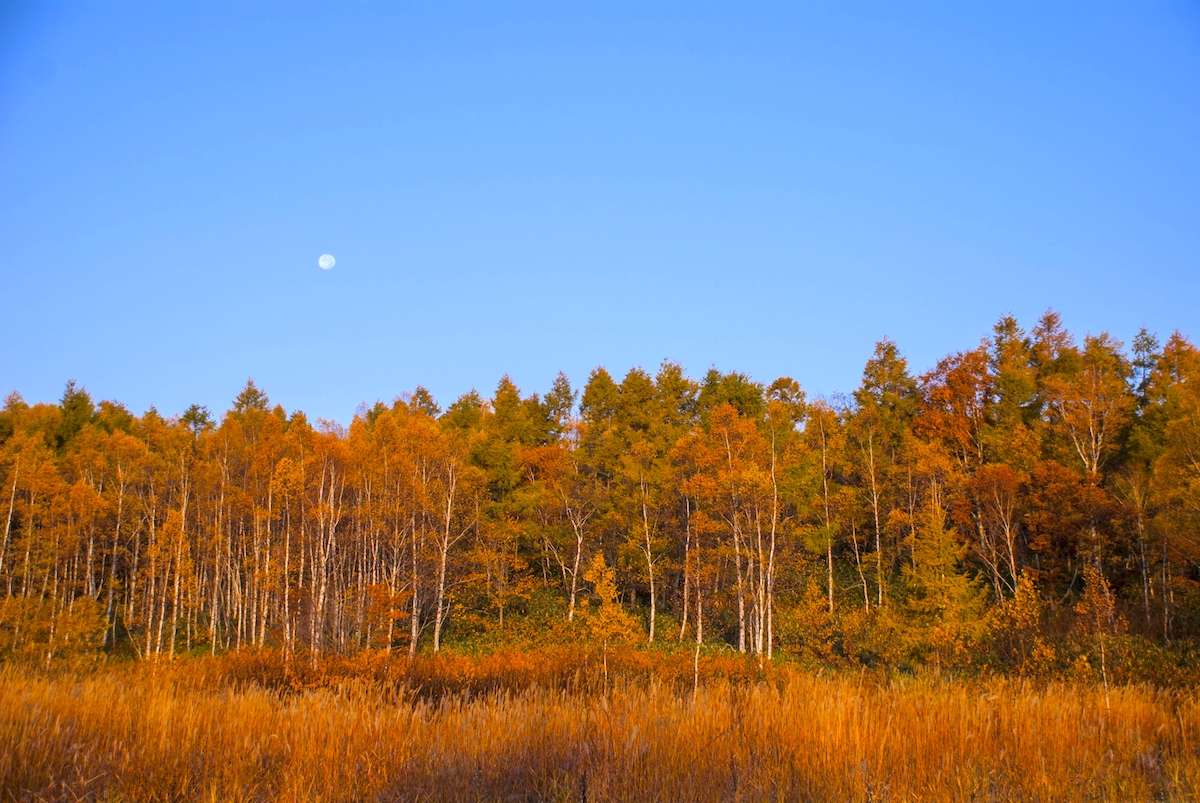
(170, 734)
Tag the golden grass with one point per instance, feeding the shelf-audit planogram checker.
(122, 735)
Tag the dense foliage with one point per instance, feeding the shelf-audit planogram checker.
(1030, 504)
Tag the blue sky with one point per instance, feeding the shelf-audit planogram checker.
(523, 189)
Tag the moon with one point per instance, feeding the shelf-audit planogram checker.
(326, 261)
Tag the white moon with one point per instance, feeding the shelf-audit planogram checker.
(326, 261)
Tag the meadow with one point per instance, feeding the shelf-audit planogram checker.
(228, 729)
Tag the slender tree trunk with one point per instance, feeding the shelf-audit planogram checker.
(771, 554)
(687, 565)
(1166, 597)
(1140, 507)
(578, 519)
(1145, 572)
(265, 604)
(12, 502)
(287, 572)
(109, 613)
(741, 593)
(1010, 544)
(178, 565)
(699, 625)
(217, 553)
(444, 556)
(760, 586)
(152, 585)
(988, 545)
(737, 548)
(858, 563)
(415, 620)
(647, 548)
(875, 512)
(28, 546)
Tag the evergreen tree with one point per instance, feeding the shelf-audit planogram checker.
(944, 604)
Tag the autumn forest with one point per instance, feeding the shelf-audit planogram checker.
(1027, 510)
(989, 512)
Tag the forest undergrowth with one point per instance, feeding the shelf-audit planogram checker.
(549, 726)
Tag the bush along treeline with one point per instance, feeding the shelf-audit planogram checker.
(1030, 505)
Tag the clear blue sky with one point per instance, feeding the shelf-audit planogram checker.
(525, 189)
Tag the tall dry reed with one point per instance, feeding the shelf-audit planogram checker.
(135, 736)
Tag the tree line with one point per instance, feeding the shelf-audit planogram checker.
(1030, 487)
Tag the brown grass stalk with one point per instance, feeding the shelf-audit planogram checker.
(122, 735)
